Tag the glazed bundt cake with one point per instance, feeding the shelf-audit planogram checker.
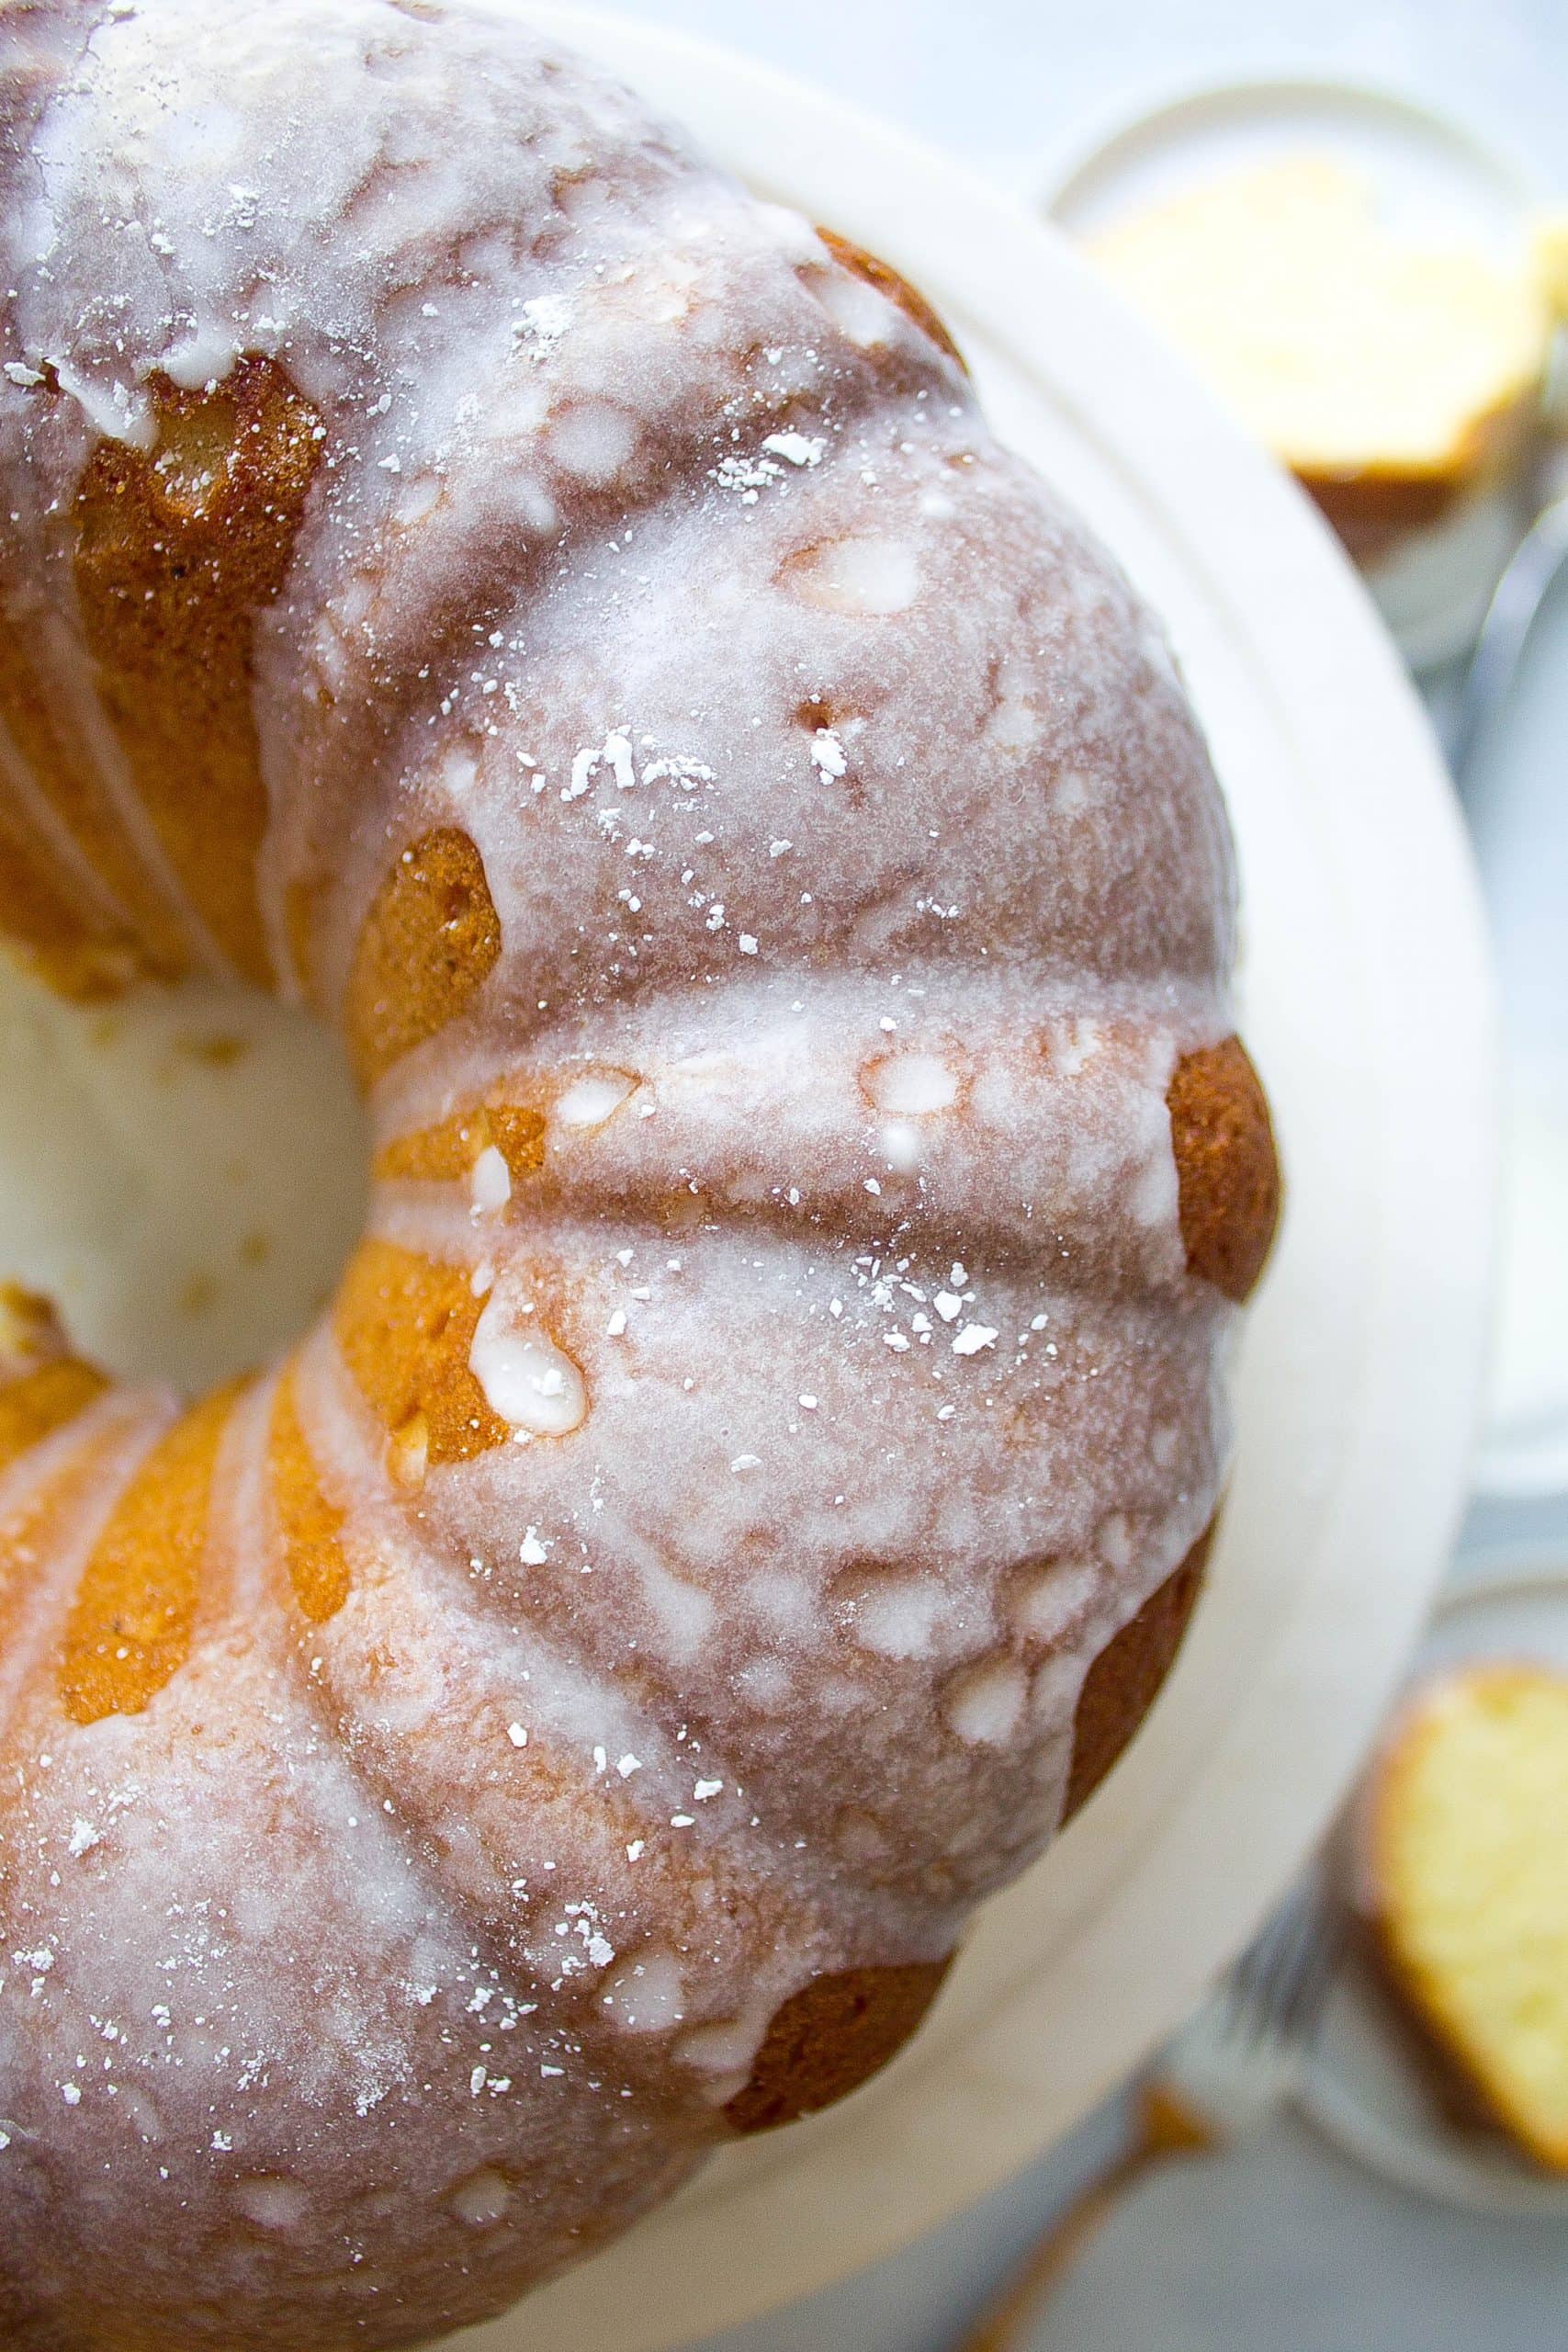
(472, 568)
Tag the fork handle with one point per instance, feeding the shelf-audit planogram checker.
(1165, 2129)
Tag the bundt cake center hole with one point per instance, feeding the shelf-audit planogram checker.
(184, 1173)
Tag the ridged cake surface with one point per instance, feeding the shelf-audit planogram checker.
(473, 569)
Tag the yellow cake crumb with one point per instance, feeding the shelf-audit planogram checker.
(1471, 1879)
(1342, 345)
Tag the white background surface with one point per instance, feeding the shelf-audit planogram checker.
(1290, 2248)
(1005, 84)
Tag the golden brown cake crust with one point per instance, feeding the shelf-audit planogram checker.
(839, 2030)
(831, 2036)
(1125, 1681)
(176, 550)
(887, 280)
(1226, 1165)
(134, 1616)
(73, 893)
(429, 941)
(75, 950)
(406, 1325)
(42, 1385)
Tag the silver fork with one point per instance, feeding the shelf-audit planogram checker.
(1505, 633)
(1225, 2074)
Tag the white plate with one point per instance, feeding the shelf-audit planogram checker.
(1432, 179)
(1366, 1006)
(1364, 2084)
(1367, 1003)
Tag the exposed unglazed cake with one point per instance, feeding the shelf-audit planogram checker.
(473, 569)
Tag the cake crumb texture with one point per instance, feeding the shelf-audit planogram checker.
(1470, 1889)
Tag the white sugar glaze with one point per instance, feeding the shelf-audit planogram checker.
(861, 878)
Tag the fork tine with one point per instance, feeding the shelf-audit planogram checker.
(1245, 1989)
(1276, 1986)
(1315, 1974)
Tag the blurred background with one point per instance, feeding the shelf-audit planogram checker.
(1295, 2239)
(1006, 84)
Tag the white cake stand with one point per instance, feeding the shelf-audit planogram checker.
(1368, 1010)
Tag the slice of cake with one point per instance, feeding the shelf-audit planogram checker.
(1392, 374)
(1469, 1850)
